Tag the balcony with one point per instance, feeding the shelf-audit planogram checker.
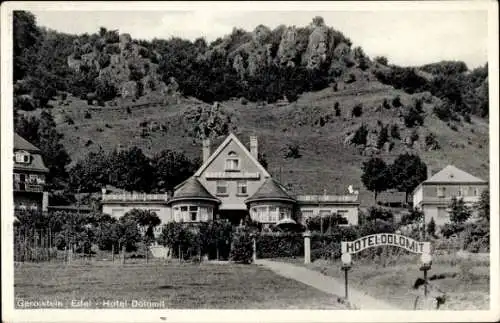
(135, 197)
(232, 175)
(27, 187)
(327, 198)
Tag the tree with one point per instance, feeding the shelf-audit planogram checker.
(395, 131)
(171, 168)
(383, 136)
(484, 205)
(91, 173)
(132, 170)
(375, 175)
(431, 228)
(459, 213)
(262, 160)
(407, 172)
(147, 220)
(413, 118)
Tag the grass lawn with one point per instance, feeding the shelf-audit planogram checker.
(466, 284)
(179, 286)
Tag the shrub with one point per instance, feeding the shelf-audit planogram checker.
(87, 115)
(396, 102)
(395, 131)
(280, 245)
(431, 228)
(381, 60)
(357, 110)
(128, 110)
(442, 111)
(413, 118)
(452, 126)
(337, 109)
(383, 136)
(68, 120)
(139, 89)
(386, 104)
(335, 87)
(414, 135)
(292, 151)
(360, 135)
(351, 77)
(242, 247)
(88, 143)
(431, 141)
(243, 101)
(467, 118)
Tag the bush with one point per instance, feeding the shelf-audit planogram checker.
(386, 104)
(467, 118)
(87, 115)
(360, 135)
(431, 228)
(383, 136)
(68, 120)
(442, 111)
(395, 131)
(413, 118)
(128, 110)
(414, 136)
(381, 60)
(357, 110)
(396, 102)
(242, 247)
(337, 109)
(351, 77)
(292, 151)
(280, 245)
(431, 141)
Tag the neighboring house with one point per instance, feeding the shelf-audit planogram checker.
(232, 184)
(117, 204)
(434, 195)
(28, 177)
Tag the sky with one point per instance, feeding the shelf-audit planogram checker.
(405, 37)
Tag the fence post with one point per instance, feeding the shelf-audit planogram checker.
(307, 247)
(254, 249)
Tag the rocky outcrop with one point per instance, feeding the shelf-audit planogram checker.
(287, 50)
(317, 47)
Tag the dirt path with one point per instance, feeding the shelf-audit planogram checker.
(326, 284)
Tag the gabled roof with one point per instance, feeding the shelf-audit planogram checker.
(22, 144)
(451, 174)
(270, 190)
(192, 189)
(221, 147)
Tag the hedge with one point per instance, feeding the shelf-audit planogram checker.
(280, 245)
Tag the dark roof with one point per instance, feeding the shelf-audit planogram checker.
(36, 165)
(271, 190)
(22, 144)
(192, 189)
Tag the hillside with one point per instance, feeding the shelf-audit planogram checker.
(313, 69)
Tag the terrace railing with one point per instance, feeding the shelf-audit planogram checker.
(135, 197)
(327, 198)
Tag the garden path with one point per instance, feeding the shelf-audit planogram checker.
(326, 284)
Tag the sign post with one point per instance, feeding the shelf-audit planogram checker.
(386, 239)
(346, 265)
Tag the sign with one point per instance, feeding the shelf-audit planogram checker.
(385, 239)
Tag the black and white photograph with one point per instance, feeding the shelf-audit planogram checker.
(250, 161)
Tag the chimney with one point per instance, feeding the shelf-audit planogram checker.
(206, 150)
(429, 172)
(254, 147)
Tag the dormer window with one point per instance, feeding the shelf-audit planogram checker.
(22, 157)
(232, 162)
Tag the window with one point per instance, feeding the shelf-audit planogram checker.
(441, 191)
(284, 213)
(324, 213)
(233, 162)
(344, 219)
(273, 214)
(193, 213)
(221, 187)
(16, 178)
(177, 214)
(22, 177)
(22, 157)
(184, 213)
(33, 178)
(242, 187)
(476, 192)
